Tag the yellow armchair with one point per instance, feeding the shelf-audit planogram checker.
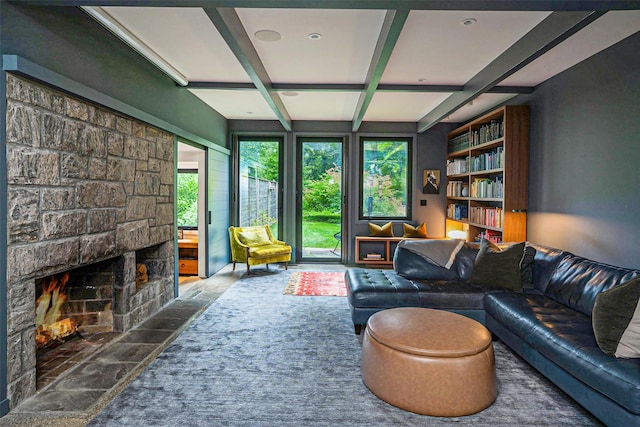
(256, 245)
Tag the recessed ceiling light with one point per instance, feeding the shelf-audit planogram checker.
(268, 35)
(469, 21)
(289, 93)
(315, 36)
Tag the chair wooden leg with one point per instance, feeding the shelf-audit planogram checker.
(248, 271)
(267, 267)
(234, 266)
(286, 265)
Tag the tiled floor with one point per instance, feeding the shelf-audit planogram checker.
(50, 364)
(96, 376)
(99, 375)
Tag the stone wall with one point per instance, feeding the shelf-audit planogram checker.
(84, 185)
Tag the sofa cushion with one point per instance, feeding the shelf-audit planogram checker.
(381, 231)
(546, 260)
(497, 267)
(410, 265)
(577, 281)
(254, 237)
(526, 267)
(269, 250)
(565, 337)
(616, 319)
(367, 288)
(409, 231)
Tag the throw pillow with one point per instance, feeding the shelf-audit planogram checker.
(381, 231)
(526, 270)
(257, 237)
(616, 320)
(498, 268)
(411, 231)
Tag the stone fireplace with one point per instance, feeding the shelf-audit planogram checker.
(90, 193)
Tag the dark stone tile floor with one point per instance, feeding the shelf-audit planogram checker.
(82, 391)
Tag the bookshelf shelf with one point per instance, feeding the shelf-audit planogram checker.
(488, 145)
(485, 226)
(487, 175)
(487, 172)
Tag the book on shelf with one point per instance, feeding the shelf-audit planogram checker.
(458, 143)
(491, 217)
(490, 235)
(373, 257)
(488, 132)
(486, 161)
(457, 189)
(457, 166)
(487, 188)
(457, 211)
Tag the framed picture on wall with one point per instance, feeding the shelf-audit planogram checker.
(431, 181)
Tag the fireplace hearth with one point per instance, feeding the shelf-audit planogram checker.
(75, 309)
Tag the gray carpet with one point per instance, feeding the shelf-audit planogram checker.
(260, 358)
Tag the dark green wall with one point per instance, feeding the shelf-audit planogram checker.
(67, 41)
(431, 153)
(585, 157)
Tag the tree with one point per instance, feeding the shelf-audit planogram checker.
(384, 175)
(187, 202)
(324, 194)
(261, 156)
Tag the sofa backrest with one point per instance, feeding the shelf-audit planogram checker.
(577, 281)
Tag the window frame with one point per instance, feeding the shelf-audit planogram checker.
(245, 137)
(409, 177)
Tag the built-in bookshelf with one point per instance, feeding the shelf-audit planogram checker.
(487, 176)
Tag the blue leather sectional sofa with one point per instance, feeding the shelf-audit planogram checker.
(549, 324)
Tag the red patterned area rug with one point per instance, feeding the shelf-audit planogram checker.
(316, 283)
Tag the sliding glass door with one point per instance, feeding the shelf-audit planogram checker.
(320, 199)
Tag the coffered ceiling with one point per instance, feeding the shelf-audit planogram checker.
(399, 61)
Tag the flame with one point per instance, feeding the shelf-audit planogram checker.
(48, 310)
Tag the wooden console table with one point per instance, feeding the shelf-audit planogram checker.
(188, 253)
(366, 246)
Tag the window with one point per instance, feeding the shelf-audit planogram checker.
(187, 199)
(258, 182)
(385, 178)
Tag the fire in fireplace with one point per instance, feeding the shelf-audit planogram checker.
(74, 302)
(50, 328)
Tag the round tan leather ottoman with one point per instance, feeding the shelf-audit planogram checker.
(431, 362)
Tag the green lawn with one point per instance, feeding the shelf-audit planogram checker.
(319, 234)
